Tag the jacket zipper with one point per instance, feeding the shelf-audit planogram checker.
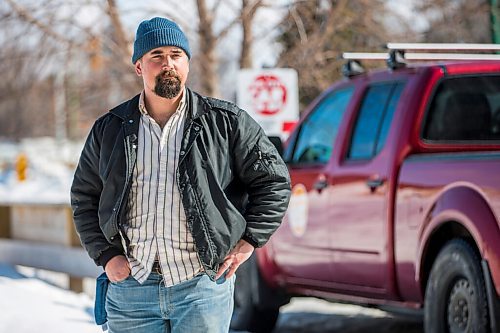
(129, 149)
(193, 126)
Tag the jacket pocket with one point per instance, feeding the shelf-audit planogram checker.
(264, 162)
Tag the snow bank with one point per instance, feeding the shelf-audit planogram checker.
(51, 164)
(30, 305)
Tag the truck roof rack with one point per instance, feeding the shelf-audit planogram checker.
(443, 46)
(397, 56)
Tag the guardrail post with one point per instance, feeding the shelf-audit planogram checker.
(75, 283)
(5, 222)
(71, 234)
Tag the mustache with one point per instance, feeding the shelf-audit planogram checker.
(168, 73)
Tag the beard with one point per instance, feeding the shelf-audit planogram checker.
(167, 84)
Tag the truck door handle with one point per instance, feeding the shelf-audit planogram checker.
(320, 184)
(373, 184)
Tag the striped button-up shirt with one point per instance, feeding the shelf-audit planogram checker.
(156, 223)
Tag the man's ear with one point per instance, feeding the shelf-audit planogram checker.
(138, 68)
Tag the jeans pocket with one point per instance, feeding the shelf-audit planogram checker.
(121, 281)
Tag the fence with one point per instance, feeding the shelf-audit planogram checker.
(43, 236)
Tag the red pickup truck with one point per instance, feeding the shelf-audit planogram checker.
(395, 200)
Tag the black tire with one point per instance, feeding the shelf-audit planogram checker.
(250, 313)
(455, 297)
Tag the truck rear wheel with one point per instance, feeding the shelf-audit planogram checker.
(455, 297)
(252, 313)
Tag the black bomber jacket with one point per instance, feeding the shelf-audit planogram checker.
(233, 183)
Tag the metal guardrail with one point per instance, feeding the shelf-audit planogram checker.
(58, 258)
(43, 237)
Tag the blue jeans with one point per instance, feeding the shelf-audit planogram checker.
(198, 305)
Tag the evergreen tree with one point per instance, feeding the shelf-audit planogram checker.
(316, 32)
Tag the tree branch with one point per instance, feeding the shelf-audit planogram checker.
(121, 39)
(25, 15)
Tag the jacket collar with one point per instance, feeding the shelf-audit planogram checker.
(197, 106)
(127, 109)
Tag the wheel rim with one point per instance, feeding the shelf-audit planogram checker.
(459, 304)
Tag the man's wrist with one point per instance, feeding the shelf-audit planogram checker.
(249, 240)
(107, 255)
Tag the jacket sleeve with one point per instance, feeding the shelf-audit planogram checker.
(260, 167)
(85, 193)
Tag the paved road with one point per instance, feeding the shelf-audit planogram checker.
(309, 315)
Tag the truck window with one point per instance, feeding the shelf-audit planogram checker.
(315, 138)
(374, 119)
(466, 110)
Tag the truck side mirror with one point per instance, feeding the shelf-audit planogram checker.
(276, 141)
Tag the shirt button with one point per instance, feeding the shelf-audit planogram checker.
(197, 128)
(182, 152)
(112, 237)
(131, 121)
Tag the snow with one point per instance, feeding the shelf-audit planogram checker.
(51, 164)
(33, 300)
(29, 304)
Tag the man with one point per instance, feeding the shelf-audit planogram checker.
(172, 193)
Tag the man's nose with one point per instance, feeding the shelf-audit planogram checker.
(168, 63)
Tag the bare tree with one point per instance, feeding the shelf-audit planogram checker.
(24, 106)
(457, 20)
(122, 42)
(84, 61)
(248, 11)
(209, 39)
(207, 44)
(89, 60)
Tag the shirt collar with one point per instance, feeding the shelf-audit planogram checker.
(142, 104)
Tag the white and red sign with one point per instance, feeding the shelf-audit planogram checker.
(270, 96)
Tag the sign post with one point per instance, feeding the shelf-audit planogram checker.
(271, 97)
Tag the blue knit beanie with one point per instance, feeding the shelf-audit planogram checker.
(158, 32)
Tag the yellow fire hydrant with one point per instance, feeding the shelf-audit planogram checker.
(21, 167)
